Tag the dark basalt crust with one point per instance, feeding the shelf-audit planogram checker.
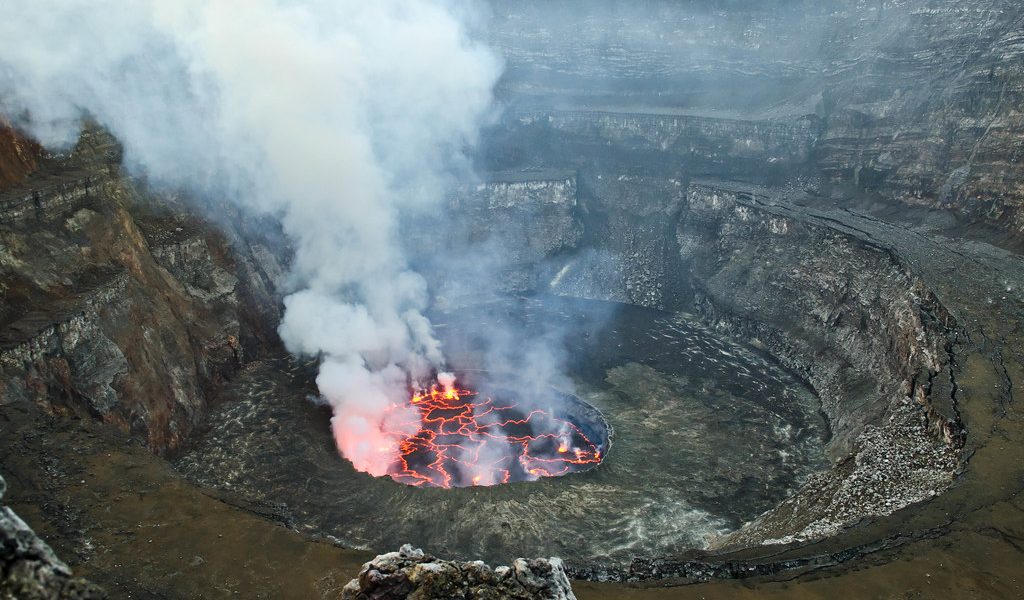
(588, 418)
(573, 409)
(536, 432)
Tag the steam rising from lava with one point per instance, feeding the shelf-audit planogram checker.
(335, 115)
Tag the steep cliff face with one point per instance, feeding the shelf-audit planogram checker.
(923, 103)
(916, 100)
(737, 147)
(627, 253)
(497, 236)
(115, 308)
(845, 312)
(722, 55)
(18, 155)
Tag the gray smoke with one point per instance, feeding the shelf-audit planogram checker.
(337, 116)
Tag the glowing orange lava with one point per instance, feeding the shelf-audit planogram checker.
(466, 439)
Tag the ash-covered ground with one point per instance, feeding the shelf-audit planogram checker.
(706, 435)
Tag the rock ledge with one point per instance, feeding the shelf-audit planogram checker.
(410, 573)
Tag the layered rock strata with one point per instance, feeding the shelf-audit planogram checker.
(917, 100)
(121, 305)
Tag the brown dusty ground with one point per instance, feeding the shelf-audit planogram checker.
(122, 518)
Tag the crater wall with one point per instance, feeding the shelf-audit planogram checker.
(121, 305)
(916, 100)
(838, 307)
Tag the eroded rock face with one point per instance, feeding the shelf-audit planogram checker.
(411, 574)
(917, 100)
(18, 156)
(122, 305)
(497, 235)
(904, 119)
(29, 570)
(842, 310)
(853, 318)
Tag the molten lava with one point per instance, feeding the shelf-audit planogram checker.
(467, 439)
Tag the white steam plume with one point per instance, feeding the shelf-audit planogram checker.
(336, 115)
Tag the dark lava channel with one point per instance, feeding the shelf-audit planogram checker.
(706, 434)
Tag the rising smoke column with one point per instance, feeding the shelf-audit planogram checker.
(335, 115)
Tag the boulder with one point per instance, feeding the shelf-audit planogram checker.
(412, 574)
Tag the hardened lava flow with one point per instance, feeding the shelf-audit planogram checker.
(468, 438)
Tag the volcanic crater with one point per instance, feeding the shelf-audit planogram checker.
(780, 308)
(743, 434)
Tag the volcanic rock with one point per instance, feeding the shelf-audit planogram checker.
(29, 569)
(410, 573)
(781, 205)
(18, 156)
(120, 305)
(865, 92)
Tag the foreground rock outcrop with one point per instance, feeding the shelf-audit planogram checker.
(29, 569)
(409, 573)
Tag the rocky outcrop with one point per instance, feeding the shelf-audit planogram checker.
(119, 304)
(29, 570)
(99, 327)
(411, 574)
(18, 155)
(48, 198)
(72, 352)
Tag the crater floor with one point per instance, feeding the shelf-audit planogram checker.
(706, 434)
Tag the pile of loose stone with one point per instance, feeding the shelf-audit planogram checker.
(411, 574)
